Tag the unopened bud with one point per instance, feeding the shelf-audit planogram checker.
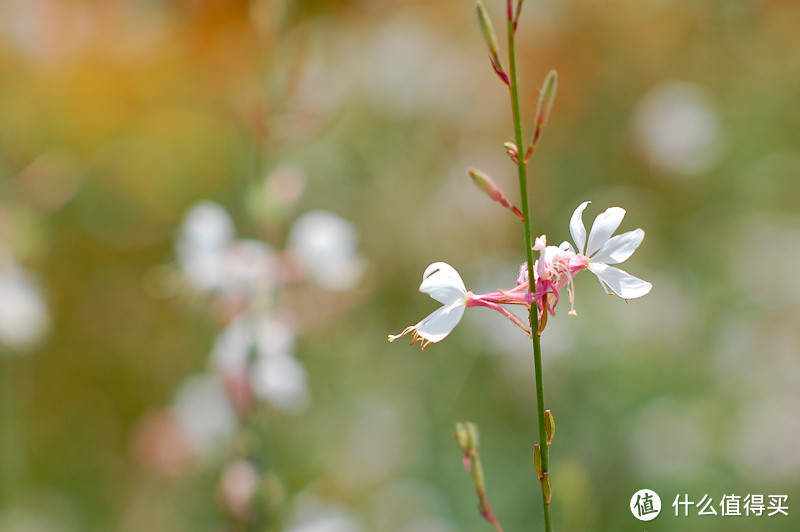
(546, 98)
(472, 432)
(547, 489)
(537, 460)
(511, 149)
(491, 189)
(486, 184)
(549, 426)
(486, 28)
(462, 437)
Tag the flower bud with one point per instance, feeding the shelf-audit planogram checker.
(549, 426)
(547, 489)
(486, 184)
(462, 437)
(537, 460)
(472, 431)
(486, 28)
(546, 97)
(512, 151)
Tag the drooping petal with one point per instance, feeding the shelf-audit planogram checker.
(437, 325)
(442, 282)
(619, 281)
(577, 229)
(603, 227)
(617, 249)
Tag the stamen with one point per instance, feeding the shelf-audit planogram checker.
(570, 290)
(393, 337)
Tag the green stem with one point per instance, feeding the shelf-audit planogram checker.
(534, 317)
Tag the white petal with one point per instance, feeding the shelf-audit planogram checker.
(281, 380)
(620, 282)
(325, 246)
(440, 323)
(442, 282)
(619, 248)
(577, 229)
(603, 227)
(204, 412)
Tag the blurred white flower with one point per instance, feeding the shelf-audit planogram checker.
(324, 247)
(237, 487)
(24, 318)
(771, 425)
(281, 380)
(678, 129)
(248, 265)
(314, 517)
(204, 412)
(261, 350)
(206, 230)
(212, 260)
(206, 227)
(652, 439)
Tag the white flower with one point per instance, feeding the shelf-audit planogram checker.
(442, 282)
(602, 249)
(678, 129)
(273, 373)
(24, 317)
(281, 379)
(314, 516)
(206, 231)
(213, 261)
(325, 247)
(204, 412)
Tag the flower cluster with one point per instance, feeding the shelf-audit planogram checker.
(253, 356)
(554, 270)
(253, 360)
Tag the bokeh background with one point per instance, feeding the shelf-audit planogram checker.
(191, 187)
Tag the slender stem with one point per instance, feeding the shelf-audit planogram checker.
(467, 437)
(483, 501)
(534, 317)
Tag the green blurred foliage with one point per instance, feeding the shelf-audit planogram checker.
(115, 117)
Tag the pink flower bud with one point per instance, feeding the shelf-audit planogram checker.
(486, 184)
